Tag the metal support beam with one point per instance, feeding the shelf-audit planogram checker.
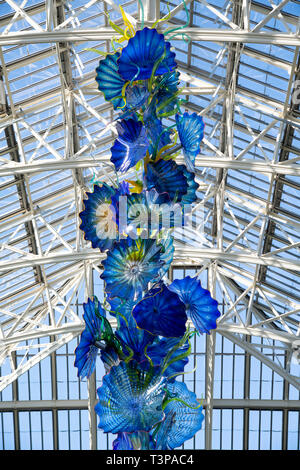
(196, 34)
(183, 255)
(203, 161)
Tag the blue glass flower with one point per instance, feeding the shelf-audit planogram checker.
(167, 254)
(161, 313)
(87, 350)
(121, 308)
(98, 218)
(158, 135)
(130, 398)
(136, 96)
(201, 308)
(109, 358)
(146, 50)
(109, 80)
(139, 440)
(123, 442)
(165, 94)
(193, 186)
(134, 340)
(177, 360)
(183, 418)
(190, 129)
(130, 146)
(130, 265)
(167, 177)
(169, 81)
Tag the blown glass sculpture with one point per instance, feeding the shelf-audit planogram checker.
(141, 400)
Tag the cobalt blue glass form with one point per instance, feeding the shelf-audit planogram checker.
(121, 308)
(167, 177)
(87, 351)
(123, 442)
(160, 313)
(190, 129)
(130, 265)
(193, 186)
(109, 80)
(167, 254)
(169, 81)
(201, 308)
(166, 88)
(159, 349)
(183, 417)
(136, 96)
(97, 219)
(85, 355)
(109, 357)
(146, 49)
(130, 146)
(130, 398)
(139, 440)
(148, 347)
(134, 340)
(158, 134)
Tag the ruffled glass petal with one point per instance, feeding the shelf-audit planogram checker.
(139, 440)
(130, 398)
(201, 308)
(190, 129)
(142, 53)
(167, 177)
(183, 419)
(87, 351)
(178, 359)
(160, 313)
(130, 146)
(134, 340)
(109, 81)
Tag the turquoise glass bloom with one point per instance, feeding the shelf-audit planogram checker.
(160, 313)
(146, 50)
(190, 129)
(130, 265)
(183, 417)
(130, 146)
(130, 398)
(201, 308)
(109, 81)
(88, 348)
